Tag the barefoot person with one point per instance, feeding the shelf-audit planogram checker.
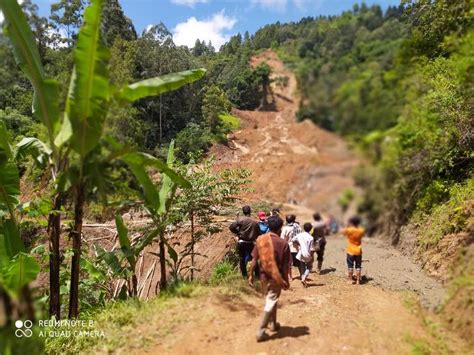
(305, 252)
(246, 231)
(320, 231)
(354, 235)
(273, 255)
(291, 229)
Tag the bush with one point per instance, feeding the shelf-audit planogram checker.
(224, 272)
(192, 139)
(346, 198)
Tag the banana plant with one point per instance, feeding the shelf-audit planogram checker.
(17, 267)
(157, 202)
(75, 136)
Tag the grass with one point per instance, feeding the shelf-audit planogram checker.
(453, 216)
(438, 340)
(230, 122)
(117, 319)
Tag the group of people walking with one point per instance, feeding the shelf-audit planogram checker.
(273, 247)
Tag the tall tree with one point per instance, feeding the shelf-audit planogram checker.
(116, 24)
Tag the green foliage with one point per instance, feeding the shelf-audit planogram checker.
(20, 271)
(454, 215)
(27, 56)
(346, 198)
(224, 272)
(214, 104)
(192, 140)
(229, 122)
(210, 193)
(11, 344)
(17, 268)
(159, 85)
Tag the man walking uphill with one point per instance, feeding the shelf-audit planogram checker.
(246, 230)
(273, 253)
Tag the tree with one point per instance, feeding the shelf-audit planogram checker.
(116, 24)
(66, 20)
(263, 72)
(210, 192)
(214, 103)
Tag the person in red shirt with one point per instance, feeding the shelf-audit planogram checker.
(273, 255)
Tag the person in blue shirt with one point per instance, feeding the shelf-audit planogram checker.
(262, 222)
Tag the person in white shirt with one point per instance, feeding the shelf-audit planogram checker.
(291, 229)
(305, 252)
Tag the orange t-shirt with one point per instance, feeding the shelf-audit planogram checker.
(354, 240)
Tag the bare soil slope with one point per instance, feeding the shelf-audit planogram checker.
(294, 163)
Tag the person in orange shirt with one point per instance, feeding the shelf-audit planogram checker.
(354, 235)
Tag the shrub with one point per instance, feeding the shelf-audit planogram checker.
(192, 139)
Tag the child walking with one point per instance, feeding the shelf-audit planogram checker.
(305, 252)
(354, 235)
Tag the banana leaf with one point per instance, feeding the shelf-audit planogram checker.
(88, 97)
(35, 148)
(9, 186)
(5, 148)
(167, 183)
(160, 84)
(19, 272)
(125, 244)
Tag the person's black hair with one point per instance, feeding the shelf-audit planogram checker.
(317, 216)
(355, 221)
(246, 210)
(275, 211)
(274, 223)
(307, 227)
(290, 218)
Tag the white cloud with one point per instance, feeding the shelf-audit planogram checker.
(189, 3)
(212, 29)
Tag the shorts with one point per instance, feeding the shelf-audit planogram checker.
(354, 259)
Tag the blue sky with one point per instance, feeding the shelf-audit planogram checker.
(217, 20)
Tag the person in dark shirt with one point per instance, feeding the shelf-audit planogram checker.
(320, 231)
(273, 255)
(246, 230)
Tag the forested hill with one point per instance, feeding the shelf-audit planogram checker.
(399, 84)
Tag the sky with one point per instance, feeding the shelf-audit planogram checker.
(218, 20)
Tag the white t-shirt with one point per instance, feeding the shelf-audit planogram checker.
(305, 241)
(287, 234)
